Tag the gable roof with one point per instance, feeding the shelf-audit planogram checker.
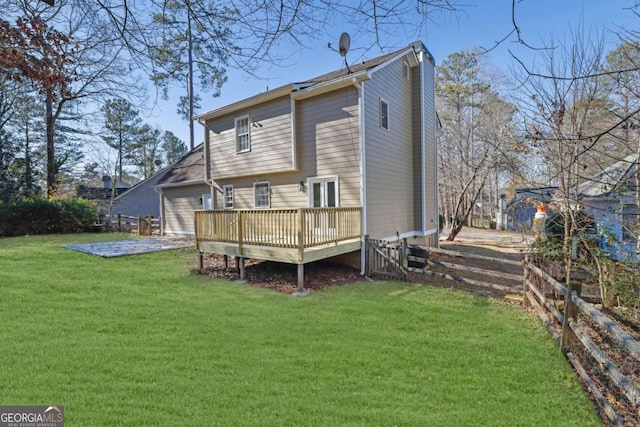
(610, 180)
(358, 71)
(188, 170)
(527, 195)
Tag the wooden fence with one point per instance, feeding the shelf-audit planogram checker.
(605, 356)
(143, 226)
(459, 267)
(386, 260)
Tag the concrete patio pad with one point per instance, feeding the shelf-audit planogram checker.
(131, 246)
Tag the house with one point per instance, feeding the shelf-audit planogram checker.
(521, 209)
(182, 190)
(141, 199)
(609, 197)
(307, 170)
(102, 195)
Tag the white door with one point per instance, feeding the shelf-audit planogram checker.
(323, 193)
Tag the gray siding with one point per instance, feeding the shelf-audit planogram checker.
(271, 143)
(141, 200)
(431, 147)
(389, 154)
(179, 206)
(327, 136)
(329, 140)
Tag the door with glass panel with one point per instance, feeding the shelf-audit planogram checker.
(323, 195)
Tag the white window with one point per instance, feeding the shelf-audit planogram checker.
(243, 134)
(261, 194)
(384, 114)
(227, 194)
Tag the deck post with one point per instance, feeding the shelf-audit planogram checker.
(200, 261)
(366, 255)
(243, 274)
(300, 292)
(226, 261)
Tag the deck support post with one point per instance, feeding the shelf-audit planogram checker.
(226, 262)
(300, 292)
(243, 273)
(200, 261)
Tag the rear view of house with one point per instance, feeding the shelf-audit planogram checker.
(314, 166)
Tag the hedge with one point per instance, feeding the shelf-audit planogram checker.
(40, 216)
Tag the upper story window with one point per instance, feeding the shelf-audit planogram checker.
(384, 114)
(243, 134)
(261, 194)
(227, 192)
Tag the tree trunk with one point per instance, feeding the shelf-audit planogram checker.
(51, 158)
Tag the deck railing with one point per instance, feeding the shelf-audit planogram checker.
(279, 228)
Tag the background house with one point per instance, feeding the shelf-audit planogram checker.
(609, 198)
(180, 191)
(362, 137)
(521, 209)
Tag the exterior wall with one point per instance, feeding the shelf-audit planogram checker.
(327, 138)
(271, 142)
(141, 200)
(430, 151)
(389, 154)
(179, 206)
(603, 212)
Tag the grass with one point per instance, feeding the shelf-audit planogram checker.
(143, 340)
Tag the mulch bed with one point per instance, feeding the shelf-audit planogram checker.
(282, 277)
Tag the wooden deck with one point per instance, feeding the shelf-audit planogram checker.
(295, 236)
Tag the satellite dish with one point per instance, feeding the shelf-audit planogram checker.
(344, 43)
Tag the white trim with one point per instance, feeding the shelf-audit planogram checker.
(323, 179)
(363, 169)
(412, 58)
(247, 102)
(328, 86)
(182, 233)
(294, 153)
(248, 134)
(423, 149)
(180, 184)
(268, 195)
(162, 225)
(414, 233)
(406, 70)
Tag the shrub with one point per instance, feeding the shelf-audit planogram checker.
(41, 216)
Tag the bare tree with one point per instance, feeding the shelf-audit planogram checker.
(477, 129)
(560, 104)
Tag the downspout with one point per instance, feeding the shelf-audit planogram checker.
(363, 178)
(161, 219)
(207, 164)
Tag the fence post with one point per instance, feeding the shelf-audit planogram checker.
(367, 263)
(404, 259)
(149, 231)
(139, 225)
(119, 223)
(570, 313)
(525, 286)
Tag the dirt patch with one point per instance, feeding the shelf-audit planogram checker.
(282, 277)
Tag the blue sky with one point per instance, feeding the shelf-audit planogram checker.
(481, 23)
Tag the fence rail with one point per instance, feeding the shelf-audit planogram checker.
(279, 228)
(579, 328)
(143, 226)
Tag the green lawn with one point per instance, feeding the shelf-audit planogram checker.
(144, 341)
